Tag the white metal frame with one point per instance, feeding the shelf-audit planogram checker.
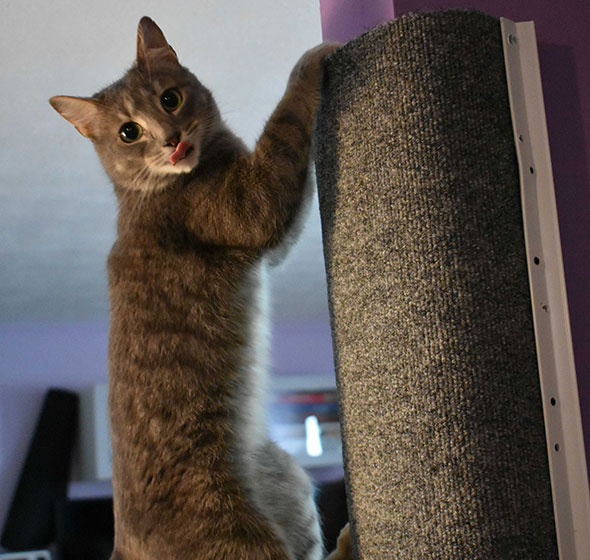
(561, 405)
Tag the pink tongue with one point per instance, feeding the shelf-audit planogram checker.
(180, 152)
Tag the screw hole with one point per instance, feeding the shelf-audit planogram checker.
(520, 138)
(536, 260)
(553, 401)
(545, 308)
(512, 39)
(557, 447)
(531, 169)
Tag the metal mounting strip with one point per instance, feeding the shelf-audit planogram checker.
(561, 405)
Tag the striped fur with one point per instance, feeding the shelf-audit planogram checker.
(195, 475)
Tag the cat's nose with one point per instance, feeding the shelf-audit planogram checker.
(173, 140)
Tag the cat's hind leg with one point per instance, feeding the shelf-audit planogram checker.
(285, 495)
(344, 548)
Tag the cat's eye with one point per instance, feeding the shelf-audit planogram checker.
(171, 99)
(130, 132)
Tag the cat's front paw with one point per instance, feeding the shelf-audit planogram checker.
(309, 68)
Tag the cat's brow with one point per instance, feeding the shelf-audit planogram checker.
(129, 104)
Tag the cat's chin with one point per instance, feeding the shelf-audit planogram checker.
(180, 168)
(185, 165)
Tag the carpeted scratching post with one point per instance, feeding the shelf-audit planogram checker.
(434, 346)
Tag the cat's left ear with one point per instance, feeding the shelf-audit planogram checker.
(152, 47)
(82, 112)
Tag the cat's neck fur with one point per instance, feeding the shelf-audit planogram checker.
(141, 209)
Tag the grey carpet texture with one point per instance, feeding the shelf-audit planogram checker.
(435, 355)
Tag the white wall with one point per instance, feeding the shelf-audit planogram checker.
(57, 209)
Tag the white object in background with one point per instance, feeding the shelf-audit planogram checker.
(94, 437)
(31, 555)
(313, 437)
(292, 437)
(555, 356)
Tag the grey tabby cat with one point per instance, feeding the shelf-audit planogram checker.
(195, 475)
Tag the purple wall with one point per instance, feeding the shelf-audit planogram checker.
(563, 34)
(33, 358)
(344, 19)
(302, 348)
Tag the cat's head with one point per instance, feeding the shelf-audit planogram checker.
(151, 125)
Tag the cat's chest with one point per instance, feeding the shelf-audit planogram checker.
(167, 281)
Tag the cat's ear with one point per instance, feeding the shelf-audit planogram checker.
(82, 112)
(152, 47)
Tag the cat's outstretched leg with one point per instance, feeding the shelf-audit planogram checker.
(259, 196)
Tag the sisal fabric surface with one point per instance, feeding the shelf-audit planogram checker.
(435, 355)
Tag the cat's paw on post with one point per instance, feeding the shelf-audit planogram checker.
(309, 66)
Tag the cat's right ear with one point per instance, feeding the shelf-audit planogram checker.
(152, 46)
(82, 112)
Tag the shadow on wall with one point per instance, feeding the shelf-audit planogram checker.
(570, 172)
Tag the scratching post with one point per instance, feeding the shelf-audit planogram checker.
(434, 346)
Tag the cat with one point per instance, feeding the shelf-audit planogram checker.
(195, 475)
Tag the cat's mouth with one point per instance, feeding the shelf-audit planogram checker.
(182, 150)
